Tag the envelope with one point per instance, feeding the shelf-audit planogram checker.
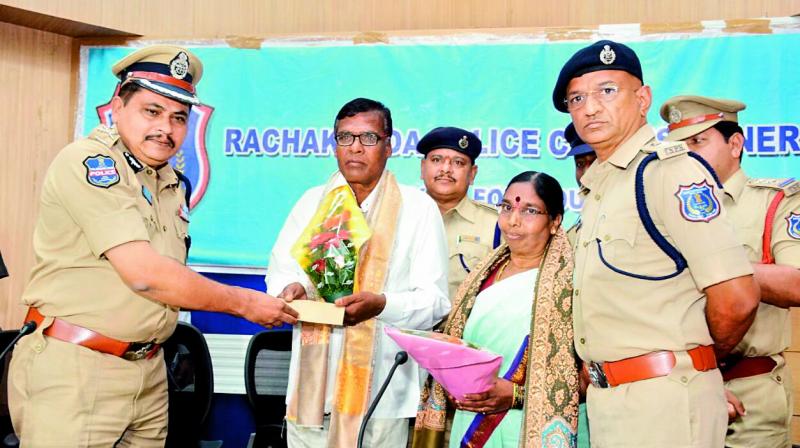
(459, 366)
(318, 312)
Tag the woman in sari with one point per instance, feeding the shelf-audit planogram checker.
(516, 303)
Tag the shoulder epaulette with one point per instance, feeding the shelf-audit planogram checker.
(666, 150)
(485, 206)
(789, 185)
(107, 136)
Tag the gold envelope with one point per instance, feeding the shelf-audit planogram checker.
(318, 312)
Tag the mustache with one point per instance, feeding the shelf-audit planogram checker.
(160, 137)
(444, 176)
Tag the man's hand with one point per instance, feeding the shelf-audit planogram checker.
(293, 291)
(496, 399)
(735, 406)
(268, 311)
(361, 306)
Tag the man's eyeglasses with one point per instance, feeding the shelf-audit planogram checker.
(366, 138)
(526, 212)
(577, 100)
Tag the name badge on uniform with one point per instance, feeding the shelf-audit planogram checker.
(698, 202)
(467, 239)
(101, 171)
(793, 225)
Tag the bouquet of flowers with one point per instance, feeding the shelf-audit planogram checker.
(327, 250)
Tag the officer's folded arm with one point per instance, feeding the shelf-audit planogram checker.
(165, 280)
(780, 284)
(730, 309)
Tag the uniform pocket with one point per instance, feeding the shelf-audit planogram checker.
(615, 242)
(467, 255)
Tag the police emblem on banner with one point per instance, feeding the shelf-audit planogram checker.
(101, 171)
(698, 203)
(793, 225)
(192, 158)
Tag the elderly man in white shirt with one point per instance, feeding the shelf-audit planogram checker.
(327, 396)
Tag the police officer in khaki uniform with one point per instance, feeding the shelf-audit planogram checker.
(583, 156)
(766, 216)
(110, 244)
(448, 169)
(659, 275)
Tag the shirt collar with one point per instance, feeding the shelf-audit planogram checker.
(627, 151)
(735, 185)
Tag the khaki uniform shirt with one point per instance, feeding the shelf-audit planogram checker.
(572, 232)
(747, 202)
(617, 316)
(86, 210)
(470, 228)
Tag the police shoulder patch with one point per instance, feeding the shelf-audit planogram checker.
(793, 225)
(101, 171)
(698, 203)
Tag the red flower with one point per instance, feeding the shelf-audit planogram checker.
(319, 265)
(334, 242)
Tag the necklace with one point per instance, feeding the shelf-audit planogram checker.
(501, 269)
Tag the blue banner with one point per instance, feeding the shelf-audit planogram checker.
(265, 132)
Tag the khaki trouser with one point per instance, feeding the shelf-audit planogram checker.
(64, 395)
(767, 399)
(686, 408)
(380, 432)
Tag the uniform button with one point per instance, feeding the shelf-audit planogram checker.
(577, 292)
(38, 347)
(165, 228)
(583, 340)
(149, 171)
(607, 237)
(684, 379)
(585, 243)
(597, 197)
(778, 378)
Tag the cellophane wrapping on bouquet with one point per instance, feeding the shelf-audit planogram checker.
(459, 366)
(328, 248)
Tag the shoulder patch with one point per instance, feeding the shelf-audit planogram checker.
(101, 171)
(793, 225)
(698, 203)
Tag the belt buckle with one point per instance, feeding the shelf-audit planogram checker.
(140, 353)
(596, 375)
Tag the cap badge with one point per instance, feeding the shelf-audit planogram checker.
(607, 56)
(463, 142)
(675, 115)
(179, 66)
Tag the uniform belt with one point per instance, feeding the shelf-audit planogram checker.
(67, 332)
(734, 367)
(644, 367)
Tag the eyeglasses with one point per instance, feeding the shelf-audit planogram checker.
(366, 138)
(507, 209)
(577, 100)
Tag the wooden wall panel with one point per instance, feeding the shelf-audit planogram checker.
(35, 122)
(220, 19)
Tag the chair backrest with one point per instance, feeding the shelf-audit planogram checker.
(7, 437)
(191, 385)
(267, 374)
